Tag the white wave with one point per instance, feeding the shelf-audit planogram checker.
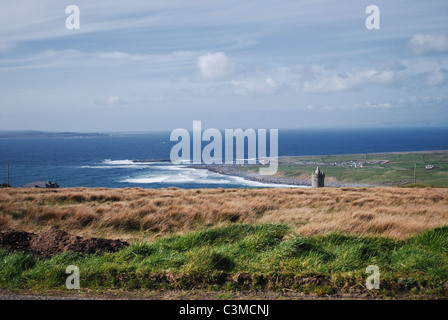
(240, 180)
(131, 162)
(139, 167)
(118, 162)
(98, 167)
(170, 167)
(159, 179)
(124, 164)
(174, 179)
(180, 175)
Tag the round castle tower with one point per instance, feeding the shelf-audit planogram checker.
(318, 178)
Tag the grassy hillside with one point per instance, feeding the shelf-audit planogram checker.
(248, 257)
(317, 241)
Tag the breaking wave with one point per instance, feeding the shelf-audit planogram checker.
(165, 173)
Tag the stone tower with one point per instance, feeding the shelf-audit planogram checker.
(317, 178)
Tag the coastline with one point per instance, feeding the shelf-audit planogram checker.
(375, 169)
(235, 171)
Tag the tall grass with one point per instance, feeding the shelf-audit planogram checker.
(142, 214)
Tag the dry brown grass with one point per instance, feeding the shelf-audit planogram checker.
(137, 213)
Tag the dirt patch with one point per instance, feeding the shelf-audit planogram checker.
(55, 241)
(16, 241)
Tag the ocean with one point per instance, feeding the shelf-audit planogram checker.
(107, 160)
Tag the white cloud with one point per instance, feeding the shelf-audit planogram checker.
(25, 20)
(170, 63)
(216, 66)
(243, 87)
(326, 82)
(408, 103)
(390, 64)
(373, 105)
(420, 44)
(437, 78)
(116, 100)
(412, 102)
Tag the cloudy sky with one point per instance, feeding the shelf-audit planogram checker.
(159, 65)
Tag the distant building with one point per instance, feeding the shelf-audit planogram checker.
(41, 184)
(318, 178)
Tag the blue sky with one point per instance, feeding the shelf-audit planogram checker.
(159, 65)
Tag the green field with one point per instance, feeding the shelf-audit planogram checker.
(384, 169)
(248, 257)
(316, 241)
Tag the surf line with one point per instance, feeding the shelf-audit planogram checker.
(213, 151)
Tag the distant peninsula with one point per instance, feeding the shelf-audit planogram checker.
(44, 134)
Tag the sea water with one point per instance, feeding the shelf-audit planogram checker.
(108, 160)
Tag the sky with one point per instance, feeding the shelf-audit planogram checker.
(274, 64)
